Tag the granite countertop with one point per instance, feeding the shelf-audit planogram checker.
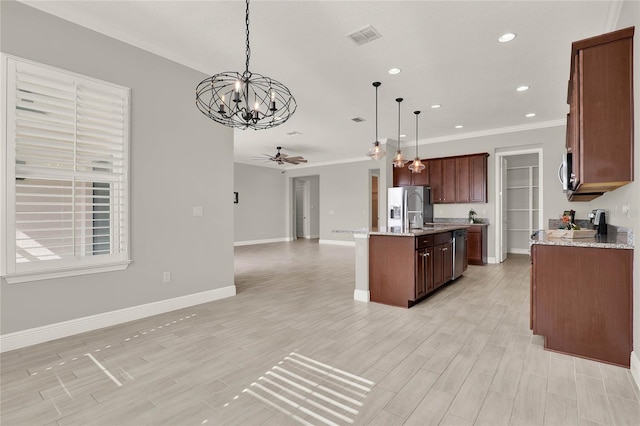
(416, 232)
(613, 240)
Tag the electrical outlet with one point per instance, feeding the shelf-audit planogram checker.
(166, 277)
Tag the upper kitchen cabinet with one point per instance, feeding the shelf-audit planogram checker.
(600, 120)
(404, 177)
(461, 179)
(442, 177)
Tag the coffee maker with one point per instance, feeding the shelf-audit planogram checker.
(599, 220)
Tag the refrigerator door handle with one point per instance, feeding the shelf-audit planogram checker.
(405, 213)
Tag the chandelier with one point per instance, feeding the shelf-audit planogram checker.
(416, 166)
(376, 152)
(247, 100)
(399, 160)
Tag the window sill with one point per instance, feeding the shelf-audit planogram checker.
(23, 277)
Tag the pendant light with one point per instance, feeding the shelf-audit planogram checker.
(245, 101)
(399, 160)
(416, 166)
(376, 152)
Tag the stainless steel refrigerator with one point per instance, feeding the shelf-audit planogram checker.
(409, 207)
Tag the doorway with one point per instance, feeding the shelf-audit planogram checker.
(305, 211)
(519, 207)
(302, 209)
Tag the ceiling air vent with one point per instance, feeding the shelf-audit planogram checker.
(364, 35)
(358, 119)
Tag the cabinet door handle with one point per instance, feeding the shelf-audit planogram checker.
(445, 249)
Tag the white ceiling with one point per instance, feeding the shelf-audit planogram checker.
(448, 52)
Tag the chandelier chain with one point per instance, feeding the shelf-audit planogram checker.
(248, 52)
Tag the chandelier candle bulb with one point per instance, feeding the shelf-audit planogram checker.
(221, 109)
(272, 107)
(236, 96)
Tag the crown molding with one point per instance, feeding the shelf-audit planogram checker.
(496, 131)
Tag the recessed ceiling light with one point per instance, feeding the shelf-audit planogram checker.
(436, 106)
(459, 126)
(506, 37)
(522, 88)
(531, 114)
(394, 71)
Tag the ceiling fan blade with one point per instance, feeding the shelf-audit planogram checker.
(297, 158)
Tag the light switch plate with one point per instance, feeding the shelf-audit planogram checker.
(198, 211)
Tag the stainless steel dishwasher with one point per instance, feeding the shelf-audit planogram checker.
(459, 251)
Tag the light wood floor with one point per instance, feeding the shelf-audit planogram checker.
(294, 348)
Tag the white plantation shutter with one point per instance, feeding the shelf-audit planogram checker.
(67, 144)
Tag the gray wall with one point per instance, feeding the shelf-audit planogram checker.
(343, 200)
(179, 159)
(260, 213)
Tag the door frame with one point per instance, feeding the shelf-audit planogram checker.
(372, 173)
(499, 231)
(311, 206)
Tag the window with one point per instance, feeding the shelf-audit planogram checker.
(65, 195)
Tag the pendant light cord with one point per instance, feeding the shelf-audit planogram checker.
(377, 112)
(248, 52)
(416, 113)
(399, 100)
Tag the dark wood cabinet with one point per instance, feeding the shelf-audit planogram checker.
(424, 271)
(600, 122)
(477, 244)
(442, 178)
(402, 176)
(402, 270)
(448, 180)
(442, 264)
(478, 178)
(442, 259)
(422, 178)
(461, 179)
(582, 301)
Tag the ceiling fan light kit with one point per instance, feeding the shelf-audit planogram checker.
(245, 100)
(376, 152)
(399, 161)
(416, 166)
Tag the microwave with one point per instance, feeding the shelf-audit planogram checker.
(565, 172)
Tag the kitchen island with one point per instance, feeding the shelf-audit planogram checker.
(405, 265)
(581, 295)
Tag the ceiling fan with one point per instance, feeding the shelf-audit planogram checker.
(281, 158)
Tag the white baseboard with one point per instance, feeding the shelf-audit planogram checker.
(518, 251)
(361, 295)
(265, 241)
(635, 368)
(338, 242)
(491, 260)
(33, 336)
